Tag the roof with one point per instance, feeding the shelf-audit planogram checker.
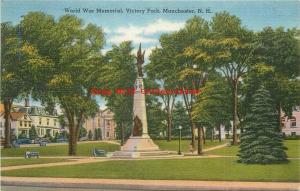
(17, 115)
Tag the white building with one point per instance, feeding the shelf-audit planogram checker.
(23, 118)
(104, 119)
(291, 126)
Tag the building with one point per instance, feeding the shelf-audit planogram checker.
(104, 119)
(291, 126)
(23, 118)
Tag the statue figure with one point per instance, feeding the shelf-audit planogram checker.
(137, 127)
(140, 61)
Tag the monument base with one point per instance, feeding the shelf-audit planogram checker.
(140, 143)
(141, 147)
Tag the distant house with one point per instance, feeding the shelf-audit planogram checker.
(291, 126)
(23, 118)
(104, 119)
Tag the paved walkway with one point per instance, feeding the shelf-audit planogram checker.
(65, 143)
(82, 160)
(147, 184)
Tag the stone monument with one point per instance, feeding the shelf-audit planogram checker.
(139, 142)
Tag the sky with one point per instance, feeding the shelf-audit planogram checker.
(146, 27)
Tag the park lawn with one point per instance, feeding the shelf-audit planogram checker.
(18, 162)
(84, 149)
(173, 145)
(293, 149)
(170, 169)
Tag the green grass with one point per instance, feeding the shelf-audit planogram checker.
(83, 149)
(173, 145)
(17, 162)
(170, 169)
(292, 145)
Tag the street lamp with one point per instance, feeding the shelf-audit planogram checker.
(179, 146)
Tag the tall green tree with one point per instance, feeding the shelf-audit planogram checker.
(32, 133)
(189, 73)
(16, 56)
(72, 50)
(261, 140)
(181, 118)
(213, 105)
(121, 81)
(230, 49)
(278, 68)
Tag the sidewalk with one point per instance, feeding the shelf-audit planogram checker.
(147, 184)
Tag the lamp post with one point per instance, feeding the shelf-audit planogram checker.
(179, 146)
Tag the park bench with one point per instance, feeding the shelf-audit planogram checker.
(29, 154)
(98, 153)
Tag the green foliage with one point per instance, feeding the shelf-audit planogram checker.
(261, 140)
(98, 134)
(181, 118)
(82, 132)
(213, 104)
(90, 135)
(122, 76)
(32, 133)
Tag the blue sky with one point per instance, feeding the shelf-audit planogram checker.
(146, 28)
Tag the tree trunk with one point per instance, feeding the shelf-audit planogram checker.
(212, 135)
(203, 135)
(7, 124)
(200, 141)
(220, 133)
(122, 134)
(234, 112)
(193, 126)
(169, 127)
(72, 144)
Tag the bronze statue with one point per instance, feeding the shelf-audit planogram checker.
(140, 61)
(138, 127)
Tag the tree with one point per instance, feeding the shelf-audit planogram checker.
(212, 106)
(190, 74)
(230, 49)
(121, 81)
(278, 72)
(181, 118)
(261, 140)
(82, 132)
(32, 133)
(15, 54)
(90, 135)
(72, 49)
(157, 70)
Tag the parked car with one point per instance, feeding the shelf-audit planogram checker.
(83, 139)
(23, 141)
(39, 140)
(61, 140)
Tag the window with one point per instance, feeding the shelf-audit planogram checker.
(29, 124)
(293, 121)
(108, 123)
(99, 122)
(25, 123)
(293, 133)
(40, 121)
(107, 134)
(54, 122)
(47, 121)
(21, 123)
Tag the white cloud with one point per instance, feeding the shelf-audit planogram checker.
(140, 34)
(161, 25)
